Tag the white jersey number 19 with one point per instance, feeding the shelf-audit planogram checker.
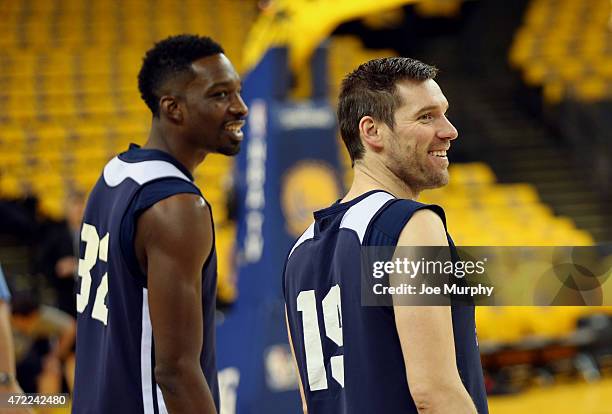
(332, 318)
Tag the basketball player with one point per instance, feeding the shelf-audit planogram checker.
(147, 268)
(400, 359)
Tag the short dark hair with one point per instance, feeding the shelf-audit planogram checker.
(168, 59)
(370, 90)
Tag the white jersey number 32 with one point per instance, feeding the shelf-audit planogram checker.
(95, 248)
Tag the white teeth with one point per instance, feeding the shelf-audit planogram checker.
(438, 153)
(234, 127)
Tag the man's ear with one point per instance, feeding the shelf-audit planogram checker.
(168, 105)
(370, 132)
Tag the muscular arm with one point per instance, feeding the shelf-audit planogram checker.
(173, 240)
(426, 335)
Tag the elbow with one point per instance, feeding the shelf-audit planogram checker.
(424, 398)
(175, 375)
(429, 396)
(170, 376)
(166, 377)
(439, 396)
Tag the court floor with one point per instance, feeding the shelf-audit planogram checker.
(574, 398)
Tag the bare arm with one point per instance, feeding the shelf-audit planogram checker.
(7, 353)
(175, 238)
(302, 395)
(66, 340)
(426, 335)
(52, 322)
(7, 356)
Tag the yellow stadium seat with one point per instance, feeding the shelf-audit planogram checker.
(513, 320)
(536, 74)
(552, 321)
(553, 91)
(592, 89)
(562, 45)
(471, 174)
(10, 186)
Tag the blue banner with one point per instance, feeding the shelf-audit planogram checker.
(288, 168)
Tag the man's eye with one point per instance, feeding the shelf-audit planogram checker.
(220, 94)
(426, 117)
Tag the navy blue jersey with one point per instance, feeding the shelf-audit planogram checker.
(349, 356)
(115, 361)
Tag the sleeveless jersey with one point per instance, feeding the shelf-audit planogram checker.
(349, 356)
(115, 360)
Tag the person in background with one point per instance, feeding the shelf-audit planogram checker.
(8, 380)
(57, 253)
(44, 338)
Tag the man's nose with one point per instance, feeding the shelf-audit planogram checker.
(238, 106)
(448, 131)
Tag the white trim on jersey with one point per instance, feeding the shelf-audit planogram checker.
(116, 171)
(356, 218)
(146, 343)
(160, 402)
(308, 234)
(146, 370)
(359, 216)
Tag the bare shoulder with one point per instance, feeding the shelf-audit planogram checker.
(177, 210)
(425, 228)
(180, 222)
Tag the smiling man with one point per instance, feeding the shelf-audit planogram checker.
(147, 268)
(400, 359)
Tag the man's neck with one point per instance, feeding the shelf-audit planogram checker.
(189, 157)
(365, 180)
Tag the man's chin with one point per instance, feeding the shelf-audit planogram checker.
(230, 151)
(437, 182)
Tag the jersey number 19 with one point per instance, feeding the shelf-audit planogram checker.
(332, 318)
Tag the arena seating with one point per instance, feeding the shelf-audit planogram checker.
(563, 46)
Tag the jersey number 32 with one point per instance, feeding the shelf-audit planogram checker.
(95, 248)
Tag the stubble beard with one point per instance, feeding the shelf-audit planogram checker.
(415, 173)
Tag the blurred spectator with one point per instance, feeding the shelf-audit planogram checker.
(75, 206)
(8, 381)
(58, 252)
(44, 338)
